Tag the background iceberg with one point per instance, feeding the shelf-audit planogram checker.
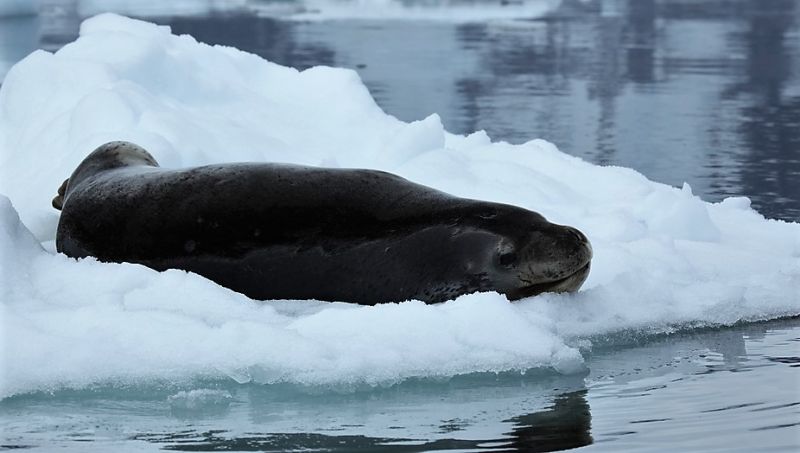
(664, 259)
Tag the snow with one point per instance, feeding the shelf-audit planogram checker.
(664, 259)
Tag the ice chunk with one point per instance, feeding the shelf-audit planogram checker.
(664, 259)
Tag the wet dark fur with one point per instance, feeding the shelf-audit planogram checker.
(275, 231)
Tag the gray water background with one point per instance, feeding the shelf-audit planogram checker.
(704, 92)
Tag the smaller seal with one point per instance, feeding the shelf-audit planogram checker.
(274, 231)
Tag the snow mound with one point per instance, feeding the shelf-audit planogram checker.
(664, 259)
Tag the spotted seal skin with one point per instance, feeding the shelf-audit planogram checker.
(274, 231)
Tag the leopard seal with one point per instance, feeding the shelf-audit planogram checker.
(278, 231)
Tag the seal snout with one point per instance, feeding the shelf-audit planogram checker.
(553, 259)
(585, 251)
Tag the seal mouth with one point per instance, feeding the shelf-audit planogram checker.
(569, 283)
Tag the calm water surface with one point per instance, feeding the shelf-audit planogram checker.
(703, 92)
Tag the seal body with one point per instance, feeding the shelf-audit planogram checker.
(273, 231)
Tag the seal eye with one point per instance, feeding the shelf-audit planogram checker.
(507, 258)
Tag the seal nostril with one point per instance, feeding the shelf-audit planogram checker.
(578, 235)
(508, 258)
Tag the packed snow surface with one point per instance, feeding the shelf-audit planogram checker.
(664, 259)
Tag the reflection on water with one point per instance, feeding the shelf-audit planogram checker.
(703, 92)
(726, 375)
(566, 424)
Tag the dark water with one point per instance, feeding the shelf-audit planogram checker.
(706, 92)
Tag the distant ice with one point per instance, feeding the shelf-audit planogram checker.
(664, 259)
(444, 10)
(440, 10)
(154, 8)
